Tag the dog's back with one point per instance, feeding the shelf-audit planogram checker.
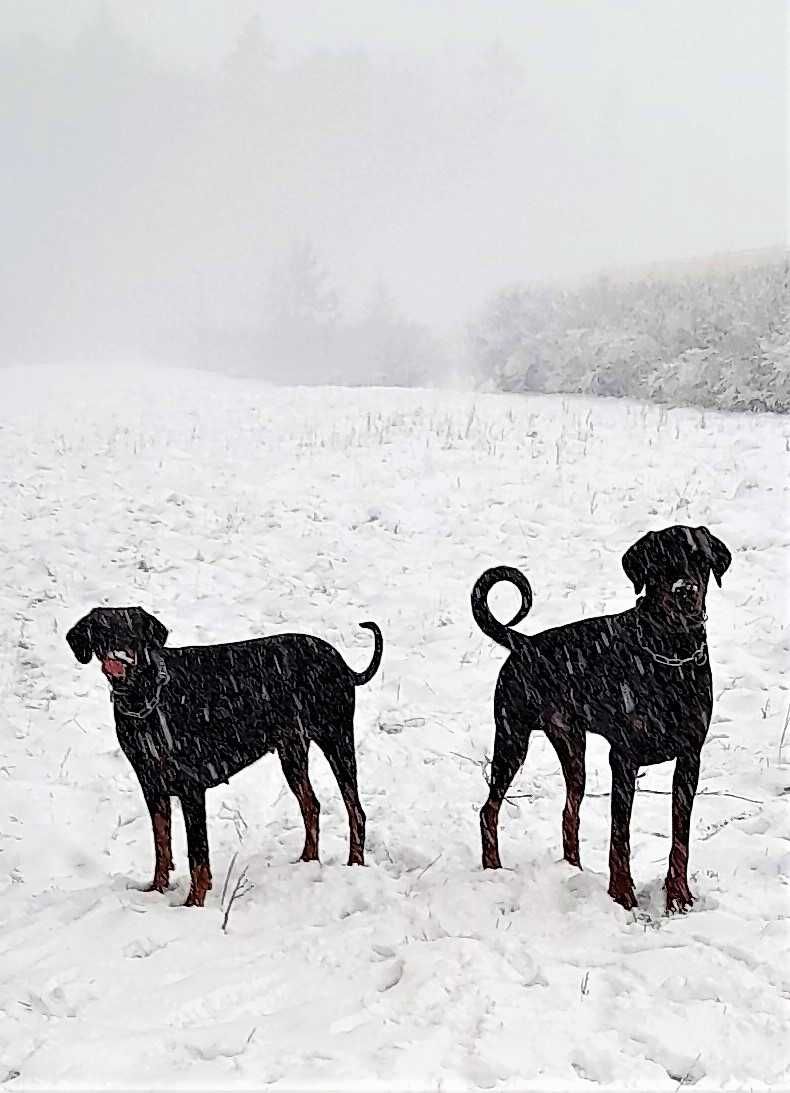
(243, 666)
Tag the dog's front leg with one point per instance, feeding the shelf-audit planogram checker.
(193, 806)
(159, 810)
(684, 786)
(621, 885)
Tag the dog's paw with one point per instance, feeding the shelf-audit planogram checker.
(679, 897)
(622, 892)
(159, 884)
(200, 886)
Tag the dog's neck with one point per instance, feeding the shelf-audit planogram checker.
(143, 691)
(663, 635)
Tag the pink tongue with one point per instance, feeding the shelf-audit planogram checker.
(112, 667)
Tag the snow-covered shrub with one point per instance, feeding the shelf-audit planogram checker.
(721, 339)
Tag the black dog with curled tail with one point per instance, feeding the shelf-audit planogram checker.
(640, 679)
(188, 719)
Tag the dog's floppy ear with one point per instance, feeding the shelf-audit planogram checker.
(150, 630)
(716, 552)
(80, 639)
(637, 559)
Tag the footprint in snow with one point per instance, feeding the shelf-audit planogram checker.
(390, 976)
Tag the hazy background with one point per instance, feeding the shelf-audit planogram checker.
(316, 188)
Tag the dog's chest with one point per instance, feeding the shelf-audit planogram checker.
(204, 744)
(656, 714)
(150, 746)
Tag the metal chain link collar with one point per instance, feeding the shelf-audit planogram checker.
(162, 678)
(698, 657)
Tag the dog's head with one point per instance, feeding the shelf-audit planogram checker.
(120, 637)
(673, 566)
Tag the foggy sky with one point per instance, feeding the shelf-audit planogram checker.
(441, 150)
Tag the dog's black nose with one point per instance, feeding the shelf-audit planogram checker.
(684, 586)
(687, 595)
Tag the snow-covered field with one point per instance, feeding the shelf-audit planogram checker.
(231, 510)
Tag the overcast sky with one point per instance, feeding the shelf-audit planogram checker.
(514, 141)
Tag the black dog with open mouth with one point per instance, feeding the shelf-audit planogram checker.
(640, 679)
(188, 719)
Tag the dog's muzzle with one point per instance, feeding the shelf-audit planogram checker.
(687, 595)
(115, 664)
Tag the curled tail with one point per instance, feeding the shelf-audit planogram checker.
(500, 631)
(361, 678)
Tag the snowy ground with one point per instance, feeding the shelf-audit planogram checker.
(232, 510)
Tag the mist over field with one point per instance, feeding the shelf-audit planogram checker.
(336, 192)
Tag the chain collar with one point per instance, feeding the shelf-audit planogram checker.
(162, 678)
(698, 657)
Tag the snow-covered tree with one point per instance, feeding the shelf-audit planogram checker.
(304, 312)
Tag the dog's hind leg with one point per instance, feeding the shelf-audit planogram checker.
(293, 757)
(338, 747)
(510, 751)
(570, 747)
